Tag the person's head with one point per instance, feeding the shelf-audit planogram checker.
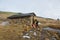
(35, 19)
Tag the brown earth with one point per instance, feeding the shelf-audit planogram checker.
(14, 32)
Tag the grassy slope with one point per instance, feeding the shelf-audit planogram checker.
(11, 32)
(6, 14)
(49, 22)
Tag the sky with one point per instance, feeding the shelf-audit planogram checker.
(43, 8)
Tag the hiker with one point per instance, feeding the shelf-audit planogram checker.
(35, 24)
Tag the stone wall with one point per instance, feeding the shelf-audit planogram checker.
(24, 23)
(25, 20)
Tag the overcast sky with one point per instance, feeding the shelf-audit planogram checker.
(44, 8)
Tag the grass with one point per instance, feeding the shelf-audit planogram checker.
(4, 15)
(13, 32)
(10, 32)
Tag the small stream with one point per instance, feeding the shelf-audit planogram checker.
(52, 29)
(43, 35)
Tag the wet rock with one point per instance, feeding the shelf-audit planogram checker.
(26, 37)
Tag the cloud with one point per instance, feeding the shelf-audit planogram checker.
(45, 8)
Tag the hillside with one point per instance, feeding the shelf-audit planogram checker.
(18, 32)
(49, 22)
(6, 14)
(45, 21)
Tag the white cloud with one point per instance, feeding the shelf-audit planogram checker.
(45, 8)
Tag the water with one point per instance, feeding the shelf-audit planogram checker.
(44, 34)
(52, 29)
(53, 36)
